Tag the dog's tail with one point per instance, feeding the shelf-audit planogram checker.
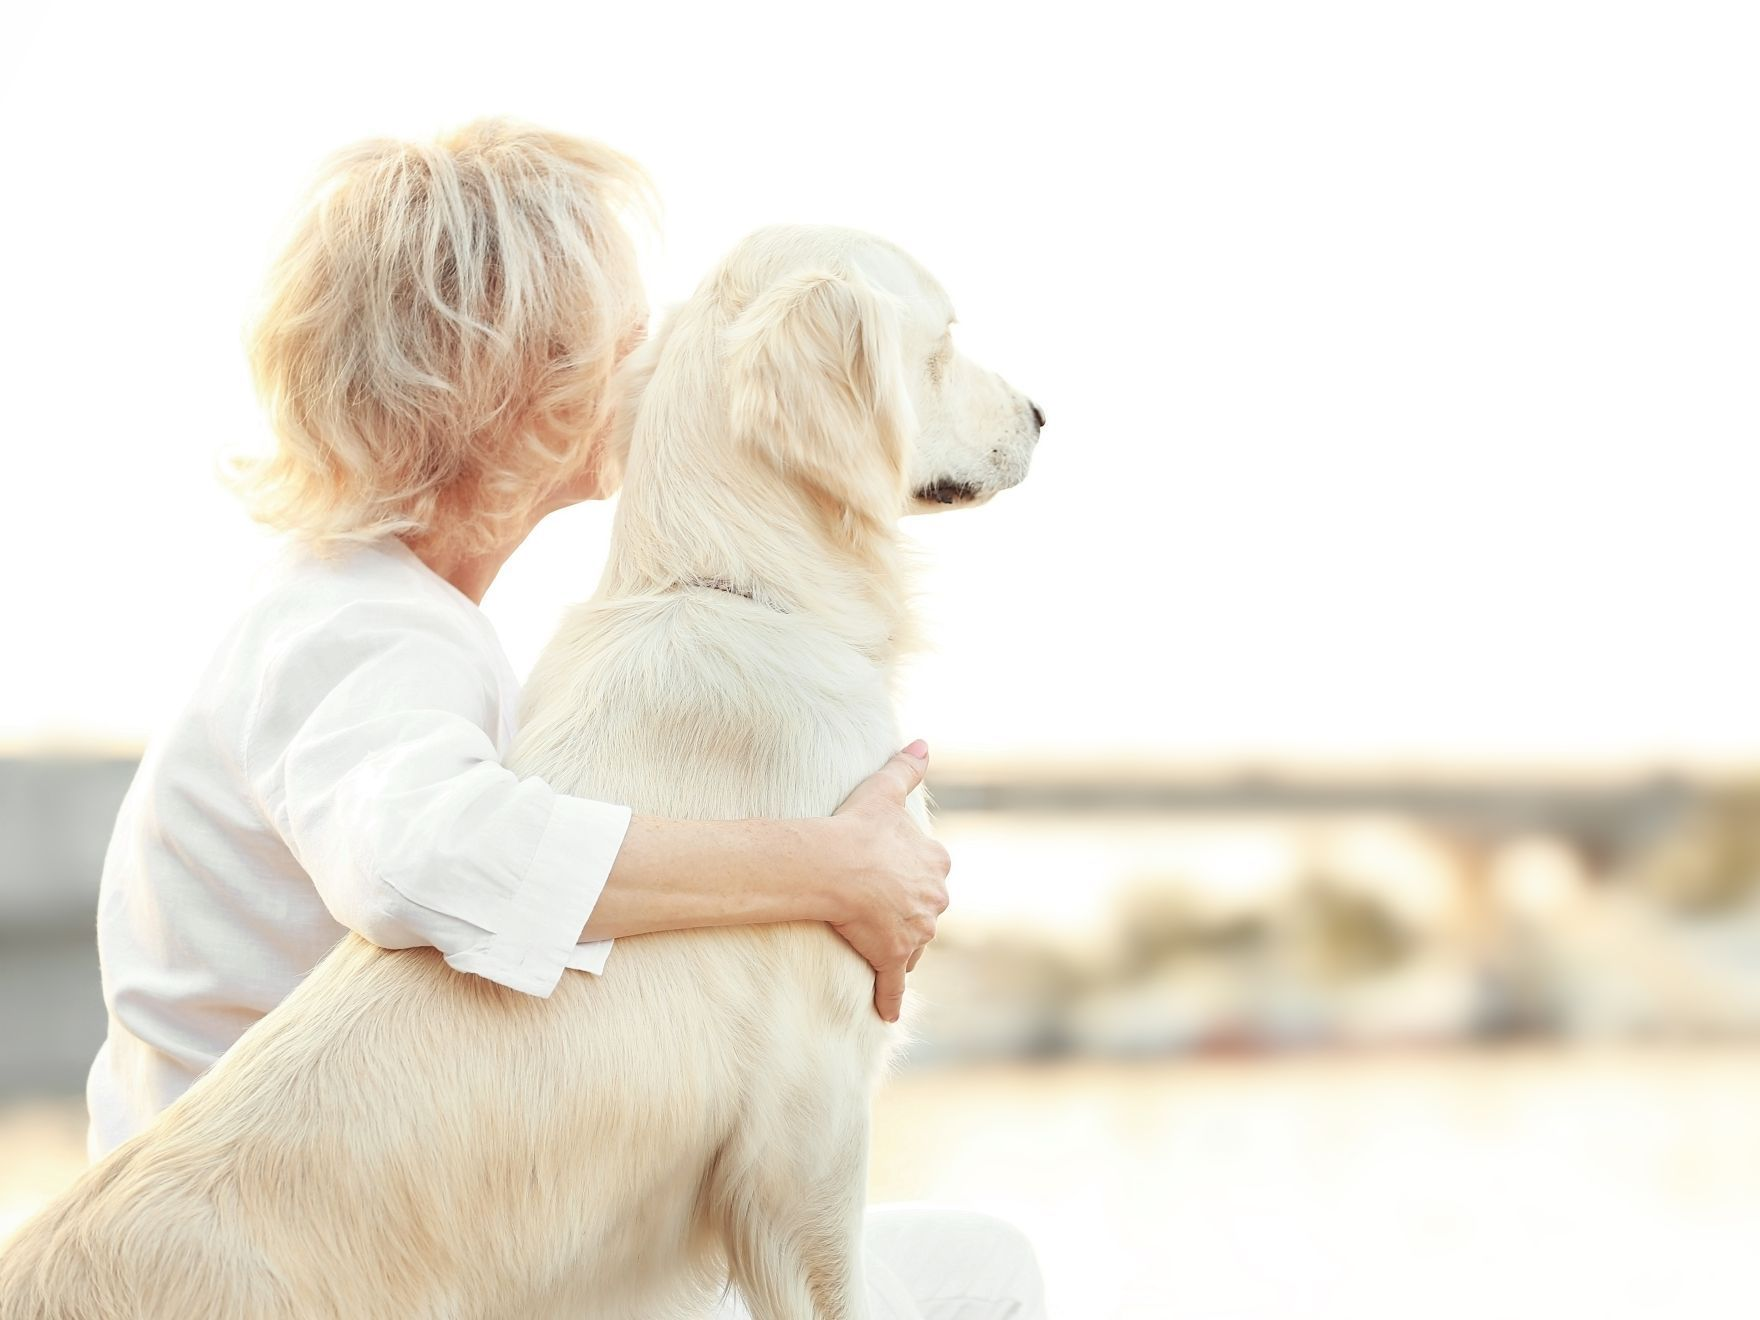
(81, 1257)
(29, 1288)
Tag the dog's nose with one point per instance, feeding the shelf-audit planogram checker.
(1038, 417)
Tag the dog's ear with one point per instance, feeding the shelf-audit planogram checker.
(817, 382)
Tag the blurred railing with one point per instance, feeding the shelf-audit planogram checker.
(1107, 911)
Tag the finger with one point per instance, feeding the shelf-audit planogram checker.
(889, 992)
(905, 770)
(911, 966)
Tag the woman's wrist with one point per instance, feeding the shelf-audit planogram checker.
(822, 866)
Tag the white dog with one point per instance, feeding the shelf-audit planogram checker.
(400, 1140)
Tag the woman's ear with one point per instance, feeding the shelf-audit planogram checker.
(817, 382)
(628, 384)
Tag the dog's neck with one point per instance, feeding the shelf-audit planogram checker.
(716, 584)
(766, 541)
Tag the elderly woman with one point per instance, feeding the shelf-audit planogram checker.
(436, 353)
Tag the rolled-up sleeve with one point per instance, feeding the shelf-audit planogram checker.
(370, 748)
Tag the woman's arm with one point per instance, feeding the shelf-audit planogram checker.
(369, 751)
(868, 870)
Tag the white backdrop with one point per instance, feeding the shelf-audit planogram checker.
(1400, 360)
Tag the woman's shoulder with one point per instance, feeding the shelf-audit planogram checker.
(365, 630)
(377, 587)
(363, 626)
(313, 620)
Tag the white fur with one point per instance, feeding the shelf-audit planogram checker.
(400, 1140)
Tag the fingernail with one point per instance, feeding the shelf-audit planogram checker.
(918, 749)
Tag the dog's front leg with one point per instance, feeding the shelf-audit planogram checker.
(792, 1215)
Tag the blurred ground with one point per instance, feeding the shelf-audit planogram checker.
(1534, 1183)
(1620, 1183)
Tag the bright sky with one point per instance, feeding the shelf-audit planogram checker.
(1400, 361)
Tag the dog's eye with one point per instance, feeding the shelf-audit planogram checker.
(939, 357)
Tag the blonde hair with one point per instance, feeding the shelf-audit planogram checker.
(436, 343)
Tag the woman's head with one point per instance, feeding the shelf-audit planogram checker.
(437, 341)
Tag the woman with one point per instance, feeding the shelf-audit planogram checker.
(436, 355)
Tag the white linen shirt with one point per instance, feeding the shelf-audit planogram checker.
(338, 768)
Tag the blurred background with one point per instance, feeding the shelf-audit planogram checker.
(1346, 738)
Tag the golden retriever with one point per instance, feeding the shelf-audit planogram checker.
(404, 1141)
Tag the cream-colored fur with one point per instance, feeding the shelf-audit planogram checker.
(399, 1140)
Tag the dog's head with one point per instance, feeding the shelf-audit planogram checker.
(842, 372)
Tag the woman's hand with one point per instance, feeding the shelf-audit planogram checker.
(868, 870)
(895, 876)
